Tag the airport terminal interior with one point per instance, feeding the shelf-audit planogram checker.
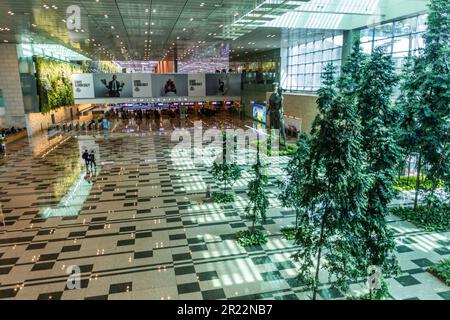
(224, 149)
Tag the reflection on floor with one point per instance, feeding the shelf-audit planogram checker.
(145, 231)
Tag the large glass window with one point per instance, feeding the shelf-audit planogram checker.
(401, 38)
(308, 51)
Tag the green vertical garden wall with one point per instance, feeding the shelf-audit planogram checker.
(54, 80)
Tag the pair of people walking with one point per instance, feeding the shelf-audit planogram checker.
(89, 160)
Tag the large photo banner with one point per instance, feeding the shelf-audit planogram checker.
(83, 85)
(145, 85)
(197, 85)
(223, 84)
(170, 85)
(118, 85)
(142, 85)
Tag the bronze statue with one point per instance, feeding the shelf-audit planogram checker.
(276, 112)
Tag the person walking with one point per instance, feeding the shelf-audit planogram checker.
(92, 160)
(86, 157)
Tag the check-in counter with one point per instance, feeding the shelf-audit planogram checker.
(16, 136)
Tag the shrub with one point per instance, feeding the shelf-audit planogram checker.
(247, 238)
(221, 197)
(441, 270)
(405, 184)
(291, 150)
(288, 233)
(431, 218)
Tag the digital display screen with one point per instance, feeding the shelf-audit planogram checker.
(260, 113)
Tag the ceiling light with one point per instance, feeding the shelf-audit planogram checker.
(191, 19)
(154, 10)
(106, 16)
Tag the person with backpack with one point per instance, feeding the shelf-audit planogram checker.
(85, 157)
(92, 160)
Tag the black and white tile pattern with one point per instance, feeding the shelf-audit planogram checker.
(142, 229)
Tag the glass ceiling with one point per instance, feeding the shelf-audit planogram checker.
(49, 50)
(345, 14)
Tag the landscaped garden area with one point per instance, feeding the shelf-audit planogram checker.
(342, 177)
(442, 270)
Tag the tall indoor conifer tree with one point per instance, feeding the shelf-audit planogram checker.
(379, 124)
(257, 194)
(407, 102)
(335, 187)
(225, 171)
(351, 72)
(292, 187)
(258, 203)
(427, 116)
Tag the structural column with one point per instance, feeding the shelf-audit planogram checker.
(12, 113)
(349, 36)
(175, 60)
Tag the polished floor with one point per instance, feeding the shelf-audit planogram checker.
(141, 227)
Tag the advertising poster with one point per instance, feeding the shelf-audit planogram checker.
(142, 85)
(170, 85)
(260, 113)
(197, 86)
(83, 85)
(118, 85)
(223, 84)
